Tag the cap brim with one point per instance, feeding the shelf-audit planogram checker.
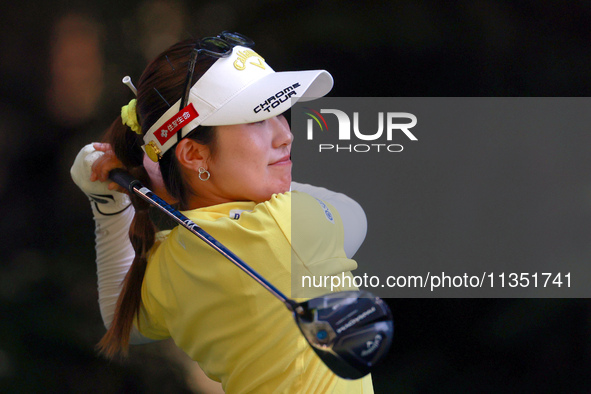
(270, 96)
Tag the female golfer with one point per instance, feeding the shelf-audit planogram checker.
(208, 112)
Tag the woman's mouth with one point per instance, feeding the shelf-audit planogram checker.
(282, 161)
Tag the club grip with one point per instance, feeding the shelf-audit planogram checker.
(124, 179)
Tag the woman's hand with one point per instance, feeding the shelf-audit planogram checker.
(88, 171)
(108, 161)
(104, 164)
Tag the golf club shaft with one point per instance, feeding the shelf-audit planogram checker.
(125, 180)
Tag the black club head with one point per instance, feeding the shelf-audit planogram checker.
(351, 331)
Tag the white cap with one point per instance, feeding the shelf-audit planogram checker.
(241, 88)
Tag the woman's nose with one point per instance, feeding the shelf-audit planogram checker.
(282, 131)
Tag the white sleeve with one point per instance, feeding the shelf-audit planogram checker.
(352, 214)
(114, 255)
(113, 214)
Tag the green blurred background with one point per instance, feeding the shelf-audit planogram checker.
(60, 72)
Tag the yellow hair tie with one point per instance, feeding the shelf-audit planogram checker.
(129, 116)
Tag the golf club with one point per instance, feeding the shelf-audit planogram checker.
(351, 331)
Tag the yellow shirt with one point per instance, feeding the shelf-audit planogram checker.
(239, 333)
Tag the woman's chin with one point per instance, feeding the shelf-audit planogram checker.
(276, 190)
(285, 186)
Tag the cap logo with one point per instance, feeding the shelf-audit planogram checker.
(243, 56)
(277, 99)
(174, 124)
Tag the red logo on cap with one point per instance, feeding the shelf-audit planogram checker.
(174, 124)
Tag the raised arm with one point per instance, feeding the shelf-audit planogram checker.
(113, 214)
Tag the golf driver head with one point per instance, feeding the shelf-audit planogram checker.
(351, 331)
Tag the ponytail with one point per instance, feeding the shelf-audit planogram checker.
(141, 234)
(162, 82)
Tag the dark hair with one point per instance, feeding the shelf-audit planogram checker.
(162, 80)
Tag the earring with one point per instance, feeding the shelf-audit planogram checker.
(203, 171)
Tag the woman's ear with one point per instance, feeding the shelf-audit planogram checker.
(191, 154)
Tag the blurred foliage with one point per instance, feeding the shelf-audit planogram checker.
(49, 318)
